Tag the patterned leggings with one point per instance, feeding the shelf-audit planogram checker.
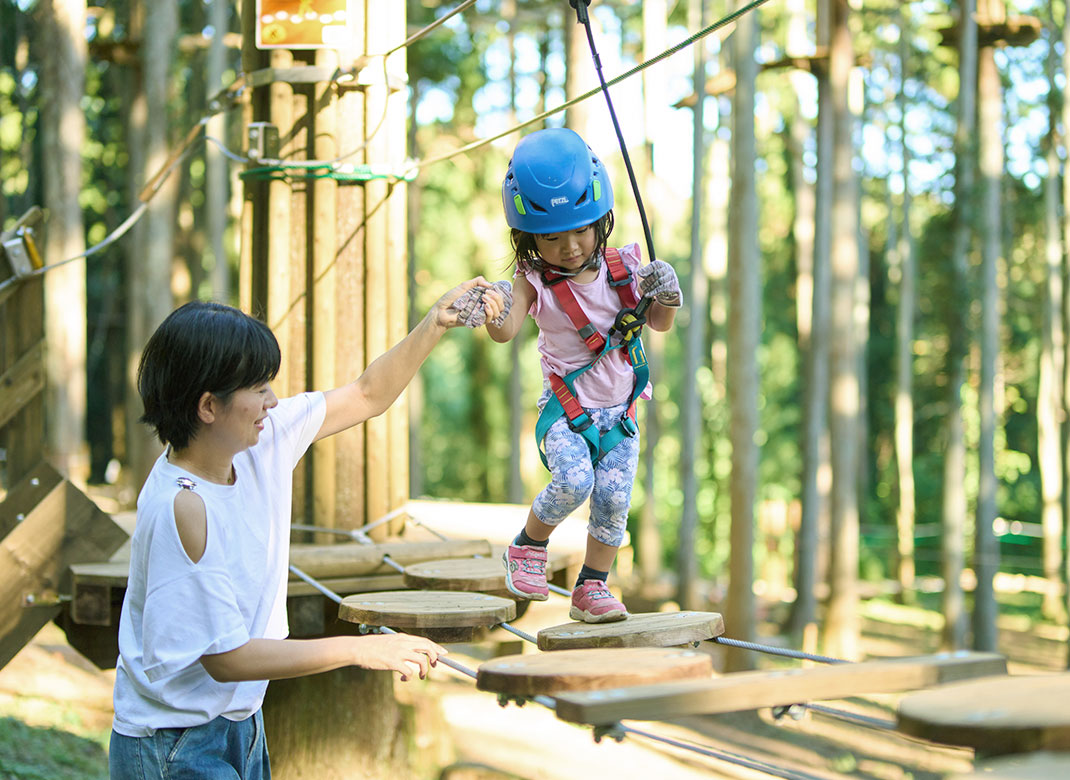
(573, 477)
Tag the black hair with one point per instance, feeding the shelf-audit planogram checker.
(200, 348)
(526, 255)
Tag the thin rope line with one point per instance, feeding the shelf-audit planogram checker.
(523, 635)
(782, 651)
(731, 758)
(854, 717)
(437, 23)
(420, 164)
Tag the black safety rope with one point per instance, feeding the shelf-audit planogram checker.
(582, 17)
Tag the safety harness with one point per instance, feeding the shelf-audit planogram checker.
(627, 327)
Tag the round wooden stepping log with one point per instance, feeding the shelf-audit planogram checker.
(444, 616)
(1043, 765)
(483, 575)
(994, 715)
(642, 629)
(590, 669)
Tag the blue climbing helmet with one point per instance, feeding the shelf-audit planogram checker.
(555, 183)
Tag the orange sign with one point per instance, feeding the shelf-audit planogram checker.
(302, 24)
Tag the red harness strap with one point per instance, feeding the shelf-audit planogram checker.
(619, 279)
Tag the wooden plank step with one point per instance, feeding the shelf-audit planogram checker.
(590, 670)
(445, 616)
(995, 716)
(1043, 765)
(642, 629)
(754, 690)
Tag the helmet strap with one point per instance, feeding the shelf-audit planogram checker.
(594, 261)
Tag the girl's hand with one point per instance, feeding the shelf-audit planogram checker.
(478, 305)
(658, 280)
(497, 302)
(403, 653)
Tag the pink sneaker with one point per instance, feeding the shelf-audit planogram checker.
(593, 603)
(525, 572)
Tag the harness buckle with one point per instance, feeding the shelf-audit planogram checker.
(628, 324)
(580, 424)
(550, 281)
(627, 424)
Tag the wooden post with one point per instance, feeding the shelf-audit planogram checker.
(377, 273)
(324, 263)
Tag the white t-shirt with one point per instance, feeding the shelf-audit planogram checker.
(176, 610)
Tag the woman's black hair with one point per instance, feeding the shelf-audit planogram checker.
(527, 257)
(200, 348)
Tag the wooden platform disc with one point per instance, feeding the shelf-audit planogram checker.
(486, 575)
(483, 575)
(408, 610)
(590, 669)
(1043, 765)
(754, 690)
(642, 629)
(994, 715)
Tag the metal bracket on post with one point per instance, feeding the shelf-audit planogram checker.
(263, 141)
(20, 246)
(614, 730)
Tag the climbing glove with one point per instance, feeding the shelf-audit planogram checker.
(471, 312)
(658, 280)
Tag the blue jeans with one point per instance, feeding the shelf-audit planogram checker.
(218, 750)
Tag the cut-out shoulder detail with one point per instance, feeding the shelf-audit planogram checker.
(192, 523)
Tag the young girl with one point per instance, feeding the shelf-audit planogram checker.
(558, 201)
(203, 624)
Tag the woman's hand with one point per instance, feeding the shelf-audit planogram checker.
(409, 655)
(445, 314)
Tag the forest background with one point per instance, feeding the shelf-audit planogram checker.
(870, 377)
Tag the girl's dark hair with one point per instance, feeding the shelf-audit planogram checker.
(201, 348)
(527, 258)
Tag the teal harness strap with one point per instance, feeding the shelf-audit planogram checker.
(598, 443)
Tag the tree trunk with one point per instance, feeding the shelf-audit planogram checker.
(697, 297)
(986, 549)
(842, 626)
(954, 502)
(1064, 314)
(812, 539)
(1049, 395)
(647, 543)
(904, 384)
(744, 329)
(217, 168)
(63, 132)
(580, 74)
(515, 390)
(344, 724)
